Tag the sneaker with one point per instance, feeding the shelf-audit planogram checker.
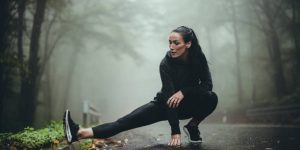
(193, 133)
(70, 128)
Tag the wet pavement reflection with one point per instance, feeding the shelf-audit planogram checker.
(216, 137)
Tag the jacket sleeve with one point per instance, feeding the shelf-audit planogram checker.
(204, 79)
(168, 90)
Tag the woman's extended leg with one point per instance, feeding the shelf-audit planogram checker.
(144, 115)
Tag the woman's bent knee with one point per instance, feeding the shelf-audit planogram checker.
(213, 99)
(209, 102)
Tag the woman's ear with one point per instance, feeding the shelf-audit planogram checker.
(188, 44)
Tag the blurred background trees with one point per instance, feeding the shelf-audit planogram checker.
(55, 54)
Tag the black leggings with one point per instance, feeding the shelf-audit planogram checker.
(197, 106)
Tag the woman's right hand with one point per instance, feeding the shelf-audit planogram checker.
(175, 140)
(175, 99)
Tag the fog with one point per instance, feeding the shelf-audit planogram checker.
(108, 52)
(119, 46)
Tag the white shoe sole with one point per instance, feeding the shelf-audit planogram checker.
(189, 137)
(67, 127)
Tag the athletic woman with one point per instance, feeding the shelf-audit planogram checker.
(186, 93)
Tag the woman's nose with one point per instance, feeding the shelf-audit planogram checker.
(171, 47)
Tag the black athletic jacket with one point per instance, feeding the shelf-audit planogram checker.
(185, 76)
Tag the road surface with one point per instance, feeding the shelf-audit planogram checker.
(216, 137)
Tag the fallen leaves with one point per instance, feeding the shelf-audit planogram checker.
(103, 144)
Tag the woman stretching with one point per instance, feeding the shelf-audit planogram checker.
(186, 93)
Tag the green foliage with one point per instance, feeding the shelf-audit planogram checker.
(4, 136)
(11, 60)
(86, 144)
(30, 138)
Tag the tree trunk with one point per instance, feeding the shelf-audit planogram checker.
(274, 50)
(237, 54)
(5, 16)
(295, 32)
(277, 64)
(253, 71)
(47, 90)
(70, 74)
(29, 89)
(21, 11)
(273, 44)
(21, 14)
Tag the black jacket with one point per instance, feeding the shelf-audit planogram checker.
(178, 75)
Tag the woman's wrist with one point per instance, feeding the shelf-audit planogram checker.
(175, 130)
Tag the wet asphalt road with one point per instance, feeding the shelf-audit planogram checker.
(215, 137)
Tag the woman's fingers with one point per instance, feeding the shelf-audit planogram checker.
(173, 102)
(178, 143)
(170, 101)
(171, 142)
(177, 104)
(175, 142)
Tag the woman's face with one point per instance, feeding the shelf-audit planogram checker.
(177, 45)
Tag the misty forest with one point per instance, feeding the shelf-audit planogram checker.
(104, 55)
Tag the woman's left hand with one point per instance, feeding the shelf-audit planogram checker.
(175, 140)
(175, 99)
